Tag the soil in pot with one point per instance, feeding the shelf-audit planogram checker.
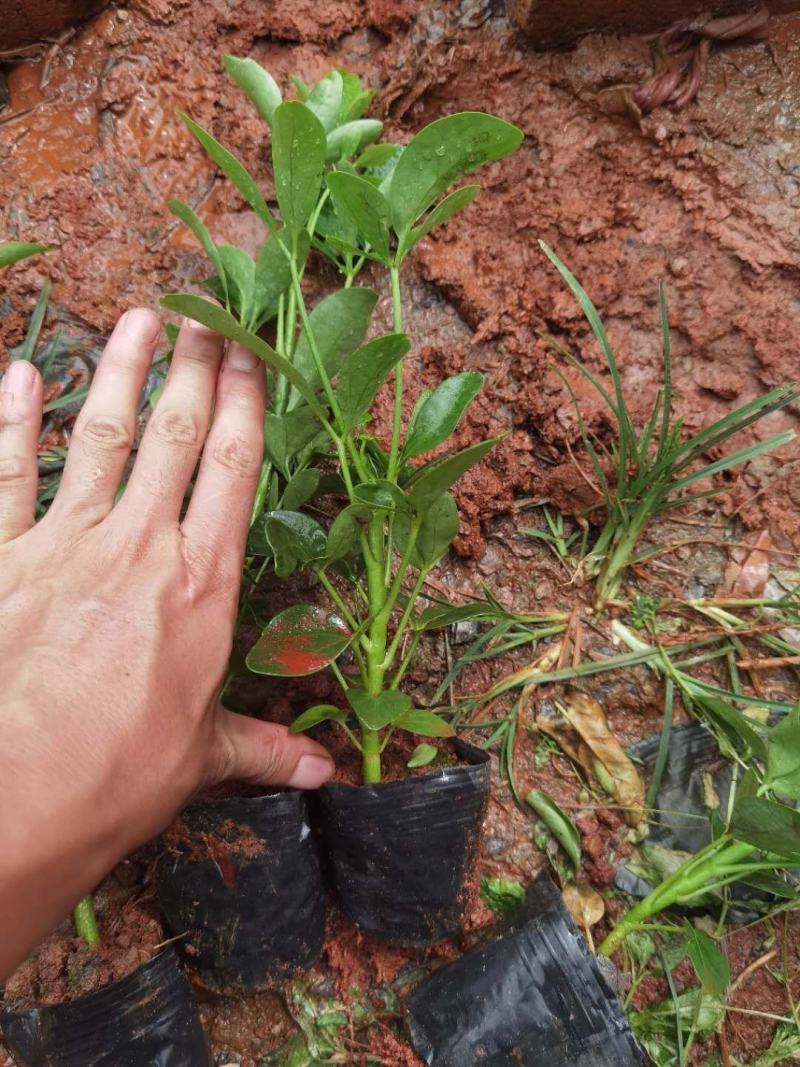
(127, 1001)
(402, 852)
(239, 884)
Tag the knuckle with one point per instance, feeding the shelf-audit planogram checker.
(106, 432)
(176, 428)
(236, 454)
(14, 470)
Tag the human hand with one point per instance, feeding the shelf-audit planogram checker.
(116, 621)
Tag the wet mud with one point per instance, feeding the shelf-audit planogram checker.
(705, 199)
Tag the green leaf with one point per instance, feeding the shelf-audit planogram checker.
(298, 160)
(502, 895)
(439, 476)
(325, 99)
(346, 140)
(441, 412)
(442, 153)
(299, 641)
(365, 206)
(338, 324)
(439, 615)
(301, 87)
(736, 726)
(257, 84)
(14, 251)
(231, 168)
(440, 525)
(783, 756)
(190, 219)
(364, 372)
(425, 723)
(294, 538)
(375, 712)
(239, 271)
(709, 962)
(313, 716)
(378, 155)
(273, 275)
(218, 319)
(285, 436)
(422, 755)
(767, 825)
(381, 494)
(300, 488)
(558, 823)
(346, 529)
(443, 211)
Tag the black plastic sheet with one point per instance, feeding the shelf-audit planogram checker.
(401, 853)
(534, 998)
(148, 1019)
(244, 888)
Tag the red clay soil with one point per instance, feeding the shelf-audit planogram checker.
(705, 199)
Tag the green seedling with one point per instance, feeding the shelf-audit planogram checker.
(355, 201)
(556, 535)
(654, 468)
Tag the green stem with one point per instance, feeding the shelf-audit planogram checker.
(86, 921)
(397, 421)
(371, 753)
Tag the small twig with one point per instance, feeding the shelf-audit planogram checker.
(53, 51)
(5, 119)
(754, 966)
(768, 663)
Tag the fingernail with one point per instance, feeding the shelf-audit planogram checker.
(20, 378)
(241, 358)
(140, 324)
(311, 772)
(193, 324)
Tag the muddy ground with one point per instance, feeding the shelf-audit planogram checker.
(705, 199)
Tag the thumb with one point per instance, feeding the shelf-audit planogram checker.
(264, 753)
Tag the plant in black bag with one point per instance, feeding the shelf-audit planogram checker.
(353, 201)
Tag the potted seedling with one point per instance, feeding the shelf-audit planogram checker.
(98, 1000)
(401, 851)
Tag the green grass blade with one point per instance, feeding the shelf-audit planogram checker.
(666, 344)
(35, 324)
(744, 455)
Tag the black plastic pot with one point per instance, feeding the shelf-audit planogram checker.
(534, 998)
(401, 853)
(148, 1019)
(240, 881)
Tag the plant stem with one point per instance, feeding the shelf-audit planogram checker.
(86, 921)
(397, 316)
(371, 762)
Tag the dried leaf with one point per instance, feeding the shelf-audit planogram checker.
(587, 717)
(584, 904)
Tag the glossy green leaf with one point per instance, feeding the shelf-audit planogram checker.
(239, 271)
(364, 372)
(558, 823)
(365, 206)
(325, 99)
(351, 91)
(231, 168)
(378, 155)
(273, 275)
(425, 723)
(300, 640)
(441, 412)
(381, 494)
(190, 219)
(375, 712)
(422, 755)
(783, 756)
(439, 615)
(218, 319)
(767, 825)
(314, 716)
(737, 727)
(285, 436)
(709, 962)
(14, 251)
(346, 140)
(295, 538)
(443, 211)
(298, 160)
(257, 84)
(439, 476)
(300, 488)
(338, 324)
(346, 529)
(440, 525)
(442, 153)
